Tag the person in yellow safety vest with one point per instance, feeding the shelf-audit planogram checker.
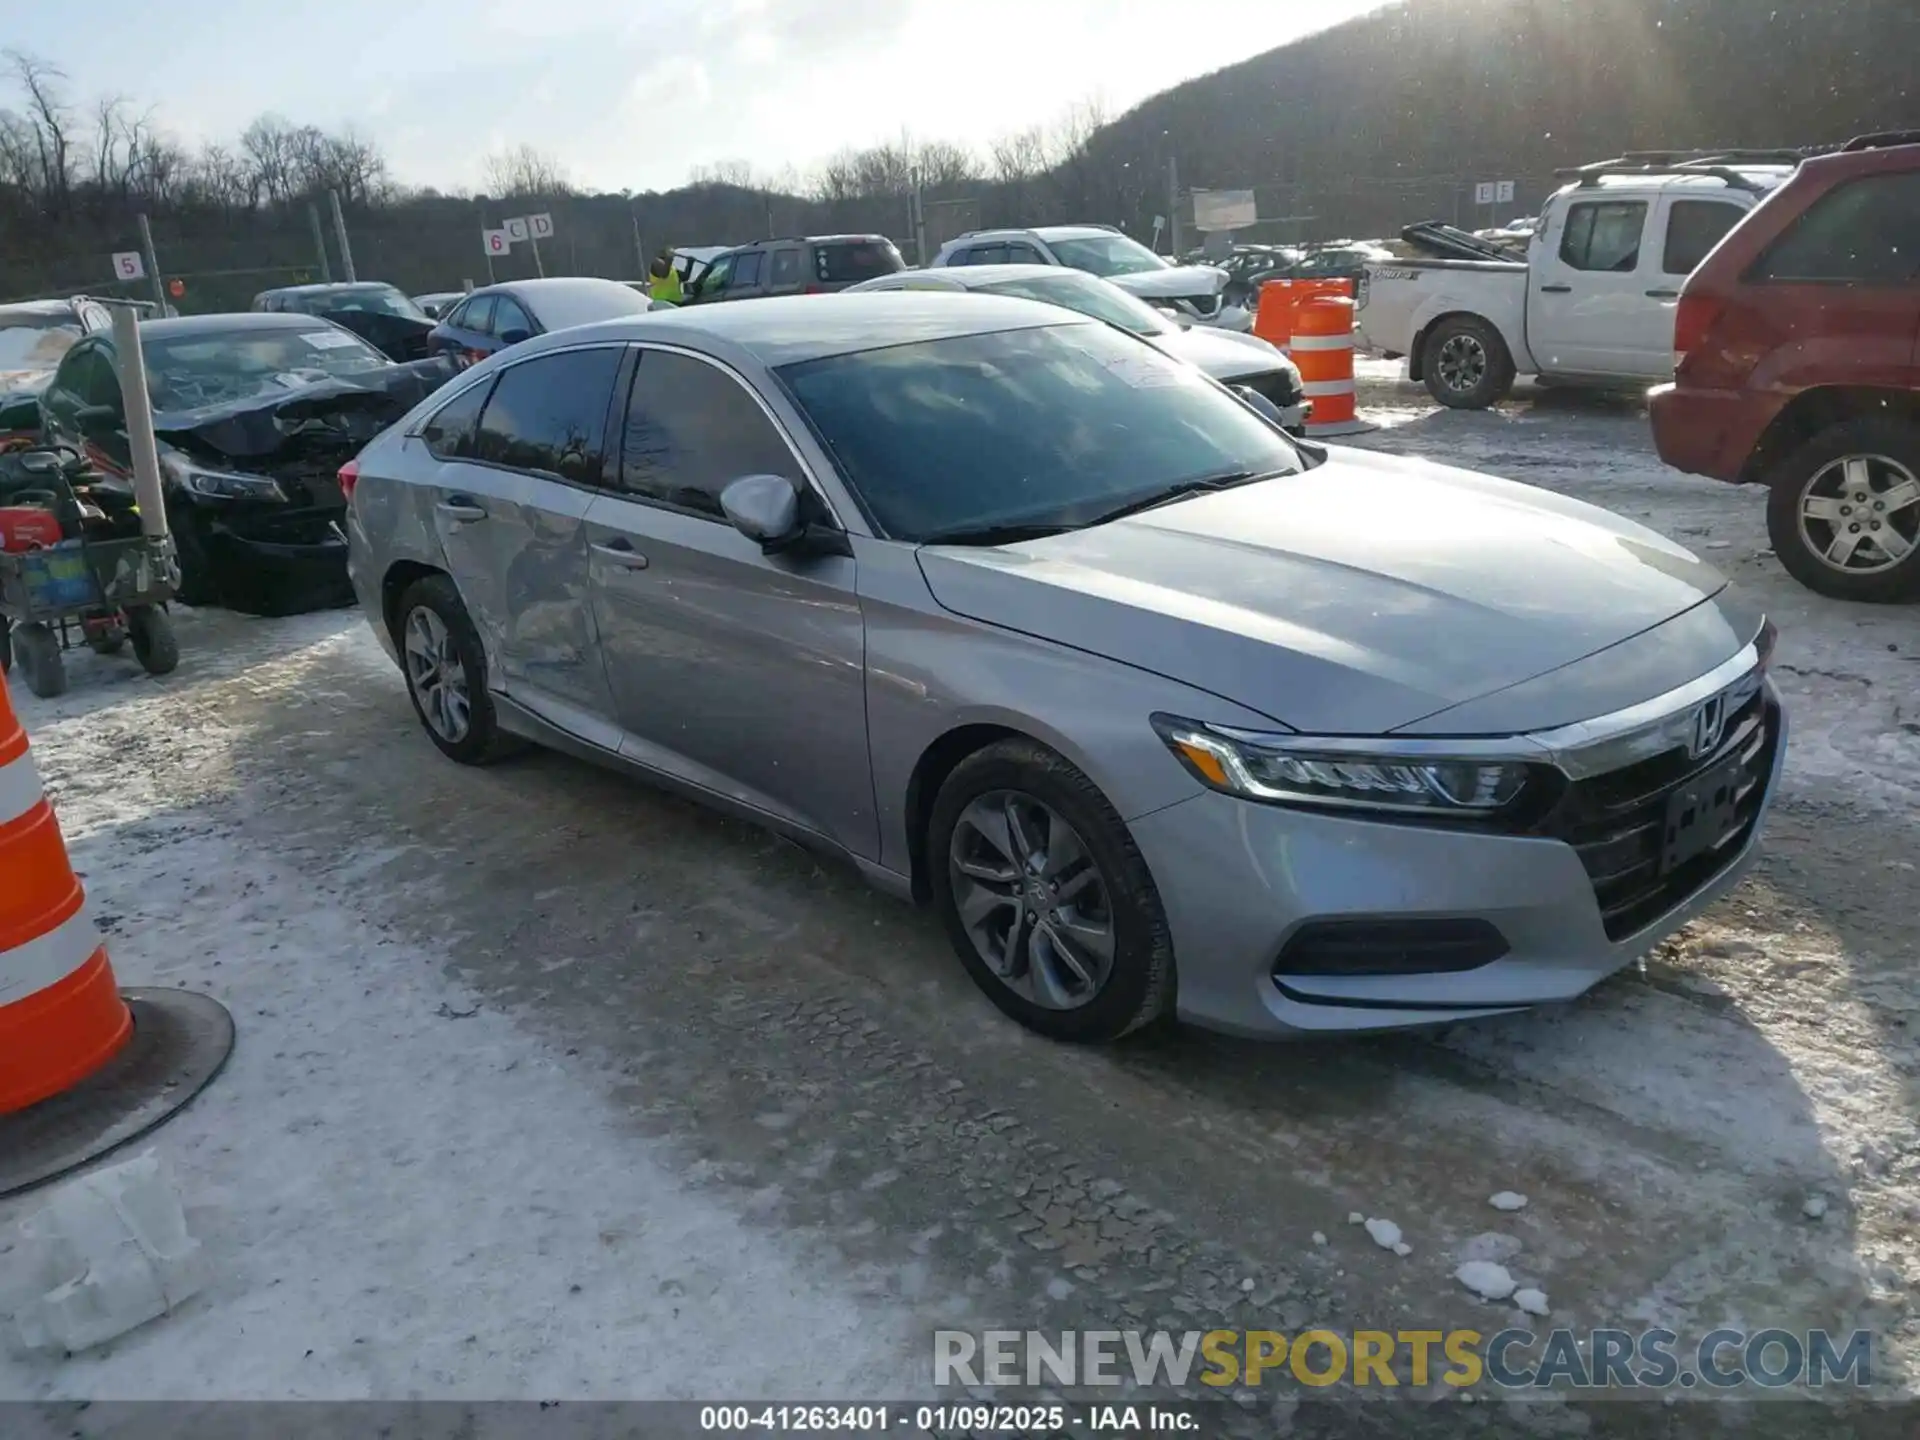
(664, 280)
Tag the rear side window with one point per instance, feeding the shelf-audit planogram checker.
(1024, 255)
(1694, 227)
(1865, 232)
(507, 315)
(449, 434)
(848, 262)
(1604, 236)
(691, 430)
(550, 414)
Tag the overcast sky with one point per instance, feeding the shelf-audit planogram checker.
(630, 94)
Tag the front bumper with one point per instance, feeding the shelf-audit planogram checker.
(1240, 880)
(275, 562)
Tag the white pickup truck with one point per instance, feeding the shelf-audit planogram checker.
(1593, 302)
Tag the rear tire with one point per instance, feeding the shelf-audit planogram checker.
(37, 649)
(1832, 493)
(1007, 944)
(446, 669)
(1466, 364)
(155, 645)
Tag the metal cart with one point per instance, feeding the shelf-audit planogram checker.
(104, 593)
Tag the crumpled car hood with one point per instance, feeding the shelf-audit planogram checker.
(332, 418)
(1360, 597)
(1173, 282)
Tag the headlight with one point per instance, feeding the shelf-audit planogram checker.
(1288, 770)
(223, 484)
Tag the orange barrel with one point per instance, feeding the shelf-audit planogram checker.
(61, 1015)
(1273, 317)
(1323, 349)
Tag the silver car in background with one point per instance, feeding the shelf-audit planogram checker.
(1243, 361)
(1160, 710)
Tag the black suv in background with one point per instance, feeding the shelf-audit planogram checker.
(799, 265)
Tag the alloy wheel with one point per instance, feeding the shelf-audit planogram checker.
(1463, 363)
(1861, 514)
(1032, 899)
(438, 678)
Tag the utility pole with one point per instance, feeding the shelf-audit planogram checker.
(639, 245)
(153, 266)
(920, 222)
(340, 235)
(319, 242)
(1173, 204)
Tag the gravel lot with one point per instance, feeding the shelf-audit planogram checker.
(550, 1085)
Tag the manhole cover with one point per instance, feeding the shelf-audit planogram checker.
(179, 1043)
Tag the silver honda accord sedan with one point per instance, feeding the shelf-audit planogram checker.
(1161, 711)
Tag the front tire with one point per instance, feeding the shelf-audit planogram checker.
(155, 645)
(1045, 897)
(1466, 364)
(1844, 512)
(446, 670)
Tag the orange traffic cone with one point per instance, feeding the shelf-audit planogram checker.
(61, 1015)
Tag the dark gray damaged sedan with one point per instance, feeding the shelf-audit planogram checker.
(1161, 711)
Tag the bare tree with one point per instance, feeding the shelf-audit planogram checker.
(737, 173)
(523, 170)
(49, 122)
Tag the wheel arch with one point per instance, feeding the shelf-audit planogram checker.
(400, 575)
(1816, 410)
(1417, 354)
(939, 760)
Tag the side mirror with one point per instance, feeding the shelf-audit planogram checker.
(764, 508)
(515, 336)
(97, 419)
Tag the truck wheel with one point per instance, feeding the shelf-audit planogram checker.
(1844, 513)
(37, 649)
(1466, 364)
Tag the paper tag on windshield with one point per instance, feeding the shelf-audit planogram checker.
(328, 339)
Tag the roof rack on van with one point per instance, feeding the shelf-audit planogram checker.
(1884, 140)
(1713, 164)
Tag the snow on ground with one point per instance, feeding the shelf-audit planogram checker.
(508, 1033)
(401, 1192)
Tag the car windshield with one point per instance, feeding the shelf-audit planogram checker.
(216, 369)
(370, 299)
(36, 341)
(1052, 426)
(1090, 297)
(1107, 255)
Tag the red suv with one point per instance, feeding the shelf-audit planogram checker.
(1798, 348)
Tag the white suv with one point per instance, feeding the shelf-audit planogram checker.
(1194, 292)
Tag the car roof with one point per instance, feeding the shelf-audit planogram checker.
(1759, 177)
(327, 287)
(973, 277)
(790, 329)
(227, 323)
(550, 285)
(39, 307)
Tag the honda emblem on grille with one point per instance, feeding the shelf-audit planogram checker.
(1709, 725)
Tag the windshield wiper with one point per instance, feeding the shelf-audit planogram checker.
(1204, 485)
(993, 534)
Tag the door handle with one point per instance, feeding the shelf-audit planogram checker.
(1663, 294)
(621, 553)
(1556, 289)
(459, 507)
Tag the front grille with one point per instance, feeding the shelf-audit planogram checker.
(1619, 823)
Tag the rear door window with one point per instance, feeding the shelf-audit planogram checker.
(1865, 232)
(1018, 254)
(746, 270)
(1694, 227)
(848, 262)
(478, 315)
(1604, 235)
(449, 434)
(549, 414)
(786, 269)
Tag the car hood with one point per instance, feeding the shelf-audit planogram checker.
(1223, 354)
(1360, 597)
(1173, 282)
(315, 426)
